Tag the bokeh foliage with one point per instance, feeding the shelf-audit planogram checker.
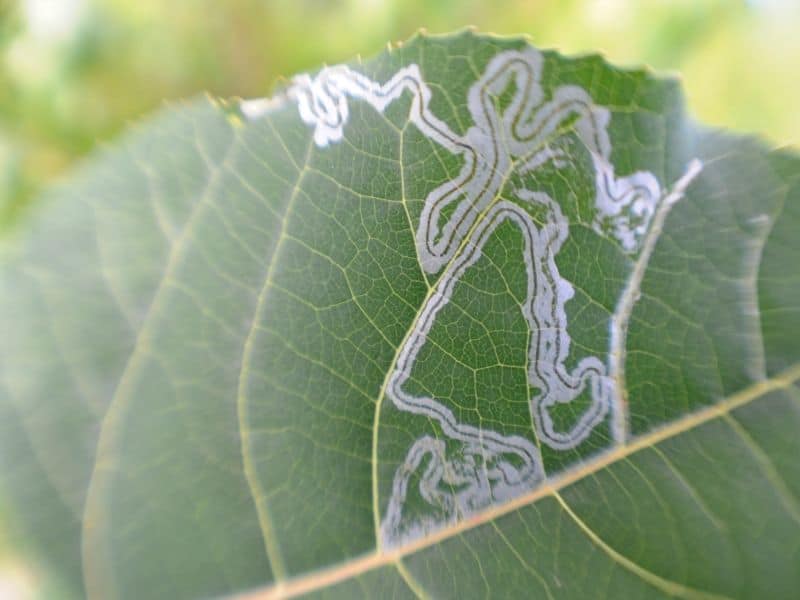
(73, 72)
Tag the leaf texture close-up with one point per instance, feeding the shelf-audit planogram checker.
(467, 319)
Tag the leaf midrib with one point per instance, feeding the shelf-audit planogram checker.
(380, 558)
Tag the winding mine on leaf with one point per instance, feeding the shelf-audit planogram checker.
(474, 467)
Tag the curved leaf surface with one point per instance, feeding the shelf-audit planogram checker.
(467, 319)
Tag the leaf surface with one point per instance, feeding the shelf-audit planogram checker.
(465, 319)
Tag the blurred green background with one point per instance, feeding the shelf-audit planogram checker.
(74, 72)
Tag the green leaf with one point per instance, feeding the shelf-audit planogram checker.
(466, 319)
